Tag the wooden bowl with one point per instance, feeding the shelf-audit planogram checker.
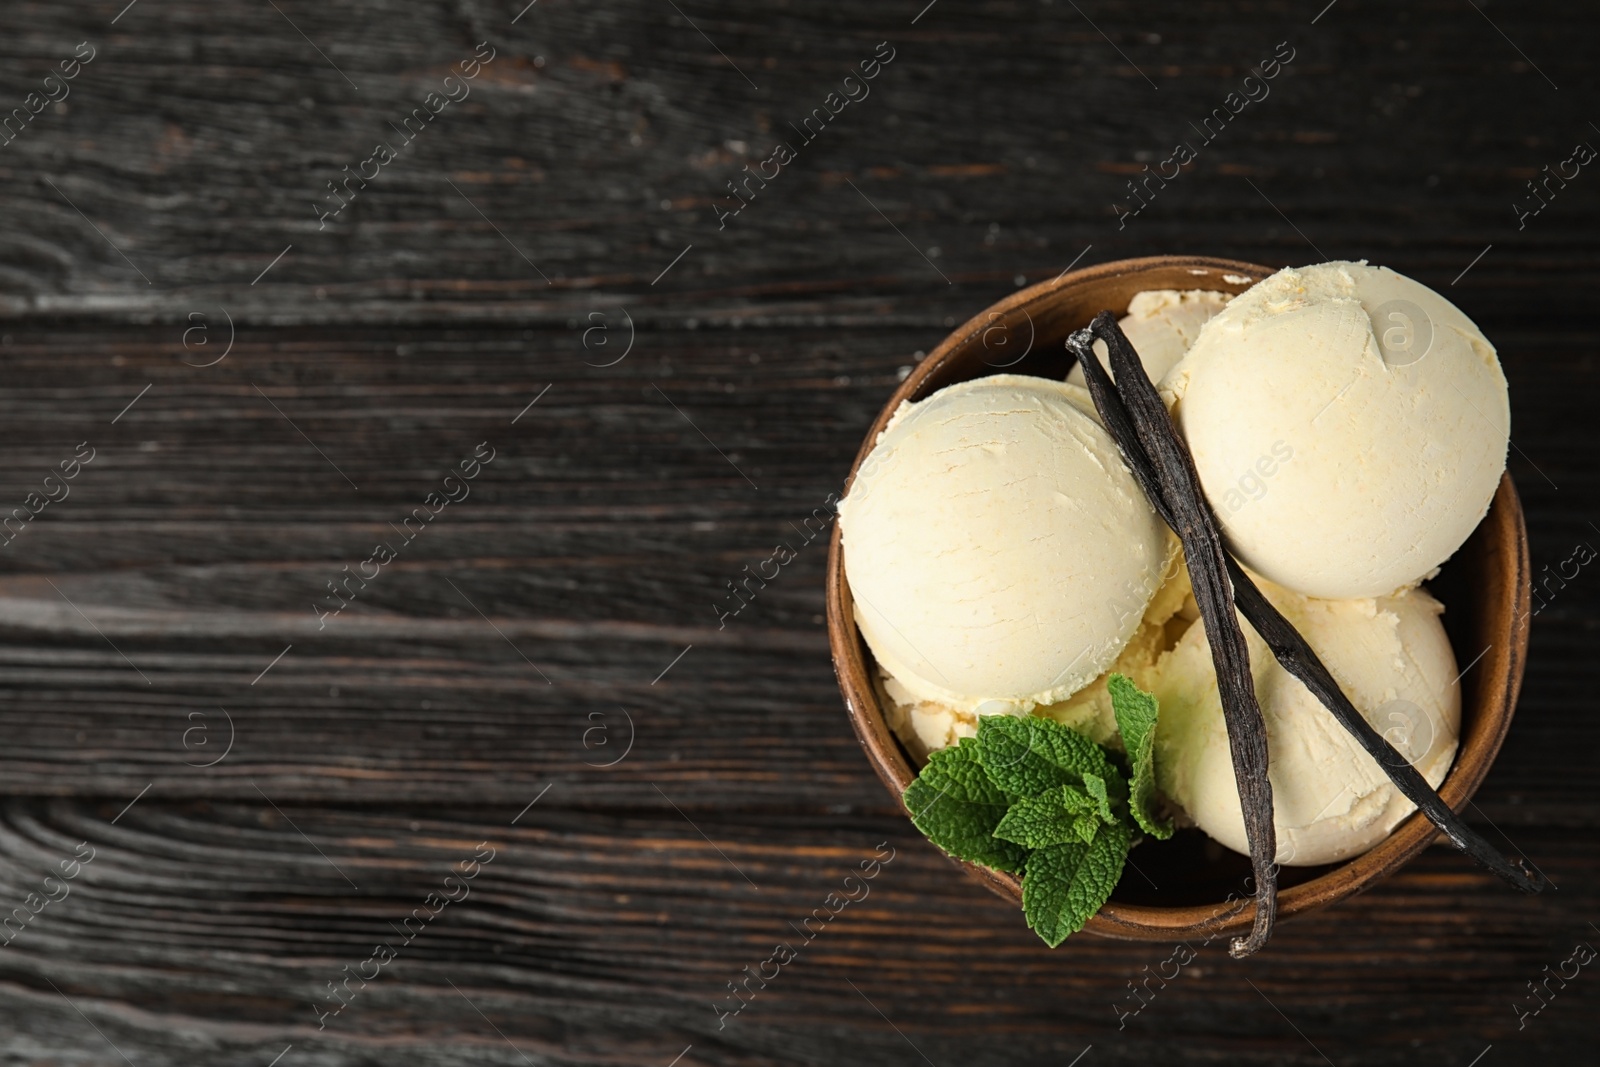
(1191, 886)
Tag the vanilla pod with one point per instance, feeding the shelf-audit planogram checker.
(1173, 477)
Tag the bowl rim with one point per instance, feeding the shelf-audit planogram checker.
(1146, 922)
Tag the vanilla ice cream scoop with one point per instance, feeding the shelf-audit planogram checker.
(1161, 324)
(1349, 426)
(927, 726)
(999, 553)
(1391, 657)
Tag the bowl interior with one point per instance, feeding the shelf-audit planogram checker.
(1190, 885)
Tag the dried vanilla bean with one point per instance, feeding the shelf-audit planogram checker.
(1288, 646)
(1178, 485)
(1300, 660)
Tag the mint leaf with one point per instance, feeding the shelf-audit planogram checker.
(957, 807)
(1063, 814)
(1066, 884)
(1027, 755)
(1095, 786)
(1136, 712)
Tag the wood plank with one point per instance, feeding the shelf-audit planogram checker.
(204, 932)
(201, 136)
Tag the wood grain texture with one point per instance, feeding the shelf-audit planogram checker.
(386, 745)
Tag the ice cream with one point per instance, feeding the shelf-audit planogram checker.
(999, 553)
(1391, 657)
(927, 726)
(1161, 324)
(1169, 615)
(1389, 403)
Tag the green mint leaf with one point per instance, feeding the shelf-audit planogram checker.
(1027, 755)
(1065, 813)
(1086, 826)
(1067, 883)
(1095, 786)
(1136, 712)
(957, 807)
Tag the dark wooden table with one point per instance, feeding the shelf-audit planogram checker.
(539, 678)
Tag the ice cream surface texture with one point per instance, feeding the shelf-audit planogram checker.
(997, 549)
(1391, 657)
(1390, 404)
(1161, 324)
(927, 726)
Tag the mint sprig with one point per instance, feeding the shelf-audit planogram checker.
(1033, 797)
